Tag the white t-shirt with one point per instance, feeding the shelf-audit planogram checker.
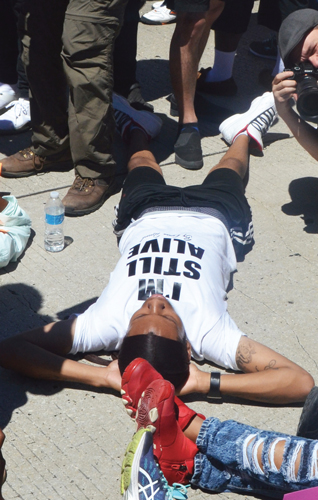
(188, 258)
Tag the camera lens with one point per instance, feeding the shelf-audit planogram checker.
(307, 102)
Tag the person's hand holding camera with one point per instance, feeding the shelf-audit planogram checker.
(283, 89)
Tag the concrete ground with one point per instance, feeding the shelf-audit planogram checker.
(68, 441)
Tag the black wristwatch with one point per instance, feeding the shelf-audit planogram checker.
(214, 392)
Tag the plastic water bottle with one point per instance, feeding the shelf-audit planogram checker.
(54, 218)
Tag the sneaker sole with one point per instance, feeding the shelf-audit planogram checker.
(156, 23)
(60, 167)
(251, 114)
(113, 189)
(189, 165)
(273, 58)
(129, 470)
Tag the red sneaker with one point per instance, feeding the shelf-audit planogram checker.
(173, 450)
(135, 380)
(185, 414)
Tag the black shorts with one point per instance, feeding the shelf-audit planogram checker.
(189, 5)
(235, 16)
(222, 191)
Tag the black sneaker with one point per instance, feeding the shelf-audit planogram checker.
(188, 152)
(266, 48)
(136, 100)
(308, 422)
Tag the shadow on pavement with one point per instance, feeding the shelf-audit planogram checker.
(304, 201)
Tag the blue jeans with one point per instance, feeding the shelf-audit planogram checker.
(227, 460)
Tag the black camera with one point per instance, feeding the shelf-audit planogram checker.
(306, 76)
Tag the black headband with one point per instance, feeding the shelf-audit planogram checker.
(168, 357)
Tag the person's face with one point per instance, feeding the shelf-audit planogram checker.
(156, 315)
(307, 49)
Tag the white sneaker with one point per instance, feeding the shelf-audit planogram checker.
(17, 118)
(126, 116)
(8, 93)
(160, 15)
(255, 121)
(156, 5)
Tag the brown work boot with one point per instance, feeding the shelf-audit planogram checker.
(26, 163)
(87, 195)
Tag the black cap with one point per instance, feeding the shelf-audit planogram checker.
(293, 29)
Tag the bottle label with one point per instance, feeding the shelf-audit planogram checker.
(54, 220)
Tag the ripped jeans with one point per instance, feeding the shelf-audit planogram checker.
(228, 460)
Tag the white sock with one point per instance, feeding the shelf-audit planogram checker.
(241, 133)
(222, 67)
(279, 66)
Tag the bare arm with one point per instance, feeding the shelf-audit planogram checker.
(305, 134)
(268, 377)
(40, 353)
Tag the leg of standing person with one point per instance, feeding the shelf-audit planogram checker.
(40, 27)
(125, 59)
(16, 116)
(90, 30)
(188, 42)
(23, 84)
(8, 55)
(228, 28)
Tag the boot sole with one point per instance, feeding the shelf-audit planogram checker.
(62, 166)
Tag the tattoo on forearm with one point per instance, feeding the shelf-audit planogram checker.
(244, 355)
(270, 366)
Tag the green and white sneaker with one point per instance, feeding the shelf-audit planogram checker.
(141, 478)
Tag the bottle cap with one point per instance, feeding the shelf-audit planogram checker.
(54, 194)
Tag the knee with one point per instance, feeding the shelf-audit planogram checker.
(215, 9)
(189, 27)
(307, 383)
